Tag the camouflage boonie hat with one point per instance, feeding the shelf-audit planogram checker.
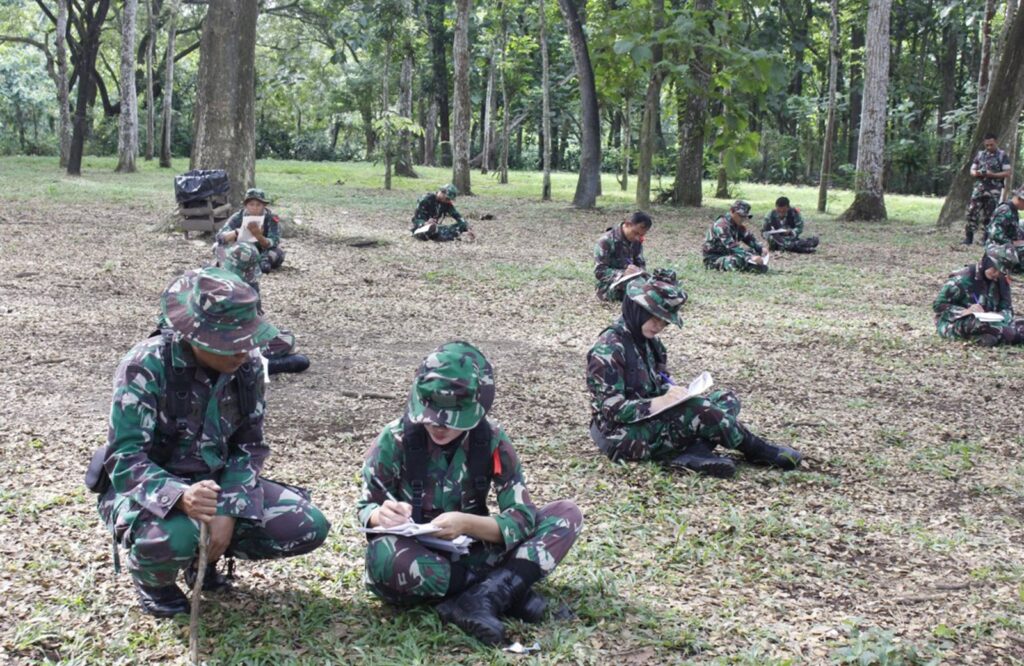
(1004, 258)
(242, 259)
(662, 299)
(216, 311)
(742, 207)
(256, 193)
(454, 387)
(449, 190)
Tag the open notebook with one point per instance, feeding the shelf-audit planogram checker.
(700, 383)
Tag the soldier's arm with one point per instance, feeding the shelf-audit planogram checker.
(639, 260)
(606, 379)
(460, 224)
(518, 515)
(766, 225)
(423, 213)
(273, 232)
(383, 462)
(241, 494)
(233, 224)
(952, 299)
(751, 241)
(603, 270)
(798, 223)
(131, 434)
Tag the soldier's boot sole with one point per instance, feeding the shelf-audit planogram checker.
(716, 466)
(165, 601)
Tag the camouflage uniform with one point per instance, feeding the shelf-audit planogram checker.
(271, 257)
(612, 254)
(968, 286)
(403, 570)
(216, 441)
(987, 191)
(790, 242)
(722, 249)
(429, 207)
(1005, 226)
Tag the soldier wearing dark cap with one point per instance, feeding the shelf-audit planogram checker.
(783, 226)
(634, 415)
(185, 445)
(432, 209)
(981, 288)
(722, 245)
(989, 169)
(437, 465)
(266, 234)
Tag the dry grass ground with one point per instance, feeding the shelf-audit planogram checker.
(901, 537)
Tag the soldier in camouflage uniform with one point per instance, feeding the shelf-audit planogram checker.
(981, 287)
(243, 259)
(782, 228)
(185, 445)
(268, 234)
(1005, 226)
(431, 209)
(633, 416)
(722, 249)
(620, 252)
(436, 465)
(990, 168)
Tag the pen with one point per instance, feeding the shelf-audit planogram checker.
(380, 484)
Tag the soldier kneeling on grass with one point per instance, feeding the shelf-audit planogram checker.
(431, 210)
(975, 302)
(633, 415)
(265, 232)
(722, 250)
(436, 465)
(185, 445)
(782, 228)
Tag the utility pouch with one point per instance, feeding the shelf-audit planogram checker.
(96, 478)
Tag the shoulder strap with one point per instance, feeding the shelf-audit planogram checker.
(178, 392)
(246, 378)
(414, 466)
(479, 468)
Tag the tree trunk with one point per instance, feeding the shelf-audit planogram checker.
(986, 51)
(869, 197)
(430, 135)
(947, 93)
(652, 102)
(692, 116)
(224, 129)
(385, 109)
(128, 120)
(1000, 115)
(439, 46)
(545, 105)
(1000, 43)
(64, 117)
(403, 165)
(168, 88)
(150, 107)
(722, 186)
(485, 159)
(856, 90)
(830, 122)
(92, 17)
(627, 142)
(505, 120)
(588, 186)
(463, 110)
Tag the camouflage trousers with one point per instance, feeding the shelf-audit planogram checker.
(271, 259)
(158, 548)
(980, 209)
(403, 571)
(442, 234)
(790, 244)
(713, 418)
(281, 345)
(970, 328)
(733, 262)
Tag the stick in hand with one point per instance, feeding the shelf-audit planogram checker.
(193, 625)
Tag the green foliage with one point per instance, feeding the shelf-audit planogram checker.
(877, 647)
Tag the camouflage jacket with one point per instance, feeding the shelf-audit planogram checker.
(429, 208)
(612, 254)
(968, 286)
(219, 442)
(794, 220)
(614, 400)
(993, 163)
(1005, 226)
(724, 237)
(448, 486)
(271, 228)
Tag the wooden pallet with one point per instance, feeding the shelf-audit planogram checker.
(204, 215)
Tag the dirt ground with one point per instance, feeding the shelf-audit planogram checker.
(906, 518)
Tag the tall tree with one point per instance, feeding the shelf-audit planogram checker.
(150, 106)
(588, 185)
(1000, 115)
(545, 105)
(488, 113)
(691, 118)
(128, 121)
(166, 125)
(224, 127)
(91, 17)
(463, 110)
(869, 199)
(856, 89)
(652, 109)
(505, 120)
(830, 122)
(63, 94)
(986, 51)
(435, 11)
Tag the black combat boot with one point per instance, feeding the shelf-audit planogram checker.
(213, 580)
(289, 363)
(698, 457)
(165, 601)
(760, 451)
(530, 607)
(265, 265)
(968, 236)
(989, 340)
(478, 609)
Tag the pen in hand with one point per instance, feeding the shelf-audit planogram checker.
(380, 484)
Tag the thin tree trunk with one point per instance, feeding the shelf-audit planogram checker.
(430, 135)
(588, 186)
(439, 43)
(545, 105)
(150, 107)
(856, 90)
(64, 117)
(403, 165)
(722, 187)
(986, 51)
(627, 142)
(830, 122)
(92, 16)
(168, 87)
(692, 116)
(652, 102)
(385, 109)
(128, 121)
(869, 199)
(463, 110)
(485, 159)
(947, 92)
(503, 167)
(1001, 115)
(224, 130)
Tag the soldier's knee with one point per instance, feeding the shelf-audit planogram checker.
(321, 527)
(567, 510)
(171, 539)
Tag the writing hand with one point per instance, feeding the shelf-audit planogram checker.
(393, 514)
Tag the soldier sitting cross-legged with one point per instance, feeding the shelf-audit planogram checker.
(981, 288)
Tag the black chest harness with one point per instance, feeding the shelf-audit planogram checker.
(637, 373)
